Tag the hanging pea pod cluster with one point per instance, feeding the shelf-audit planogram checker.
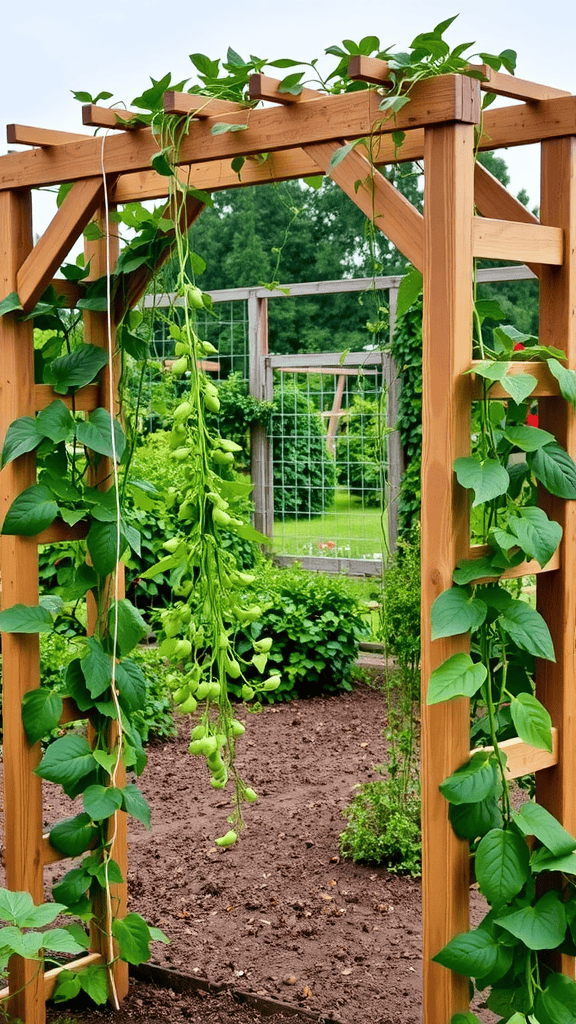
(513, 851)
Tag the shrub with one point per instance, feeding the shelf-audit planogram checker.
(316, 623)
(304, 474)
(400, 614)
(383, 830)
(407, 353)
(360, 451)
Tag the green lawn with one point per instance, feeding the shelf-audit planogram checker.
(345, 530)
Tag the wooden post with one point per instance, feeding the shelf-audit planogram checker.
(447, 326)
(96, 333)
(20, 652)
(556, 592)
(260, 386)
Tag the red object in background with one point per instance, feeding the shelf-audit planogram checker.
(532, 417)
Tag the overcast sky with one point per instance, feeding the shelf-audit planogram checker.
(49, 49)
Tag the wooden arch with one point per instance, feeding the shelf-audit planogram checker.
(467, 214)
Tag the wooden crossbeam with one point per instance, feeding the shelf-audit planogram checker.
(377, 198)
(514, 240)
(522, 759)
(109, 117)
(200, 106)
(530, 568)
(377, 72)
(493, 200)
(59, 531)
(85, 399)
(351, 115)
(546, 383)
(77, 209)
(261, 87)
(24, 135)
(51, 977)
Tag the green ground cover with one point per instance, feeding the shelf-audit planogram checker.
(345, 530)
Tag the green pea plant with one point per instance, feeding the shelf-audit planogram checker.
(527, 915)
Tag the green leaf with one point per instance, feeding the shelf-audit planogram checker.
(501, 865)
(471, 953)
(531, 721)
(534, 820)
(15, 906)
(409, 291)
(96, 668)
(101, 801)
(22, 436)
(472, 820)
(131, 626)
(519, 386)
(76, 369)
(96, 434)
(222, 128)
(102, 545)
(133, 937)
(543, 860)
(61, 940)
(537, 535)
(539, 927)
(67, 986)
(459, 676)
(24, 618)
(31, 512)
(161, 164)
(465, 1018)
(105, 760)
(135, 803)
(528, 629)
(41, 712)
(529, 439)
(488, 479)
(73, 836)
(131, 686)
(455, 611)
(554, 468)
(340, 154)
(556, 1004)
(72, 887)
(470, 569)
(40, 916)
(566, 379)
(24, 944)
(66, 761)
(94, 981)
(471, 782)
(10, 304)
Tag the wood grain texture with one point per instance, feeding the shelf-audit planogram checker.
(84, 400)
(447, 325)
(555, 592)
(25, 135)
(67, 225)
(493, 200)
(530, 568)
(94, 116)
(546, 383)
(20, 652)
(50, 977)
(391, 212)
(351, 115)
(503, 84)
(201, 106)
(522, 759)
(513, 240)
(368, 69)
(261, 87)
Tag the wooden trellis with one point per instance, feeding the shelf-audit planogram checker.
(300, 134)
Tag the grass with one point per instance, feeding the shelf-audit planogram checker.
(345, 530)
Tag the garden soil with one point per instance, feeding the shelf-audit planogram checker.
(279, 918)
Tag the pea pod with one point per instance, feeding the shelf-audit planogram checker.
(228, 840)
(212, 402)
(180, 366)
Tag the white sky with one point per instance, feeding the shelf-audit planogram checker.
(52, 48)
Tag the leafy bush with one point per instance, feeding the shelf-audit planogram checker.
(360, 450)
(400, 593)
(407, 353)
(383, 830)
(304, 473)
(155, 721)
(316, 623)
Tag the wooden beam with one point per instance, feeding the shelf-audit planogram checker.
(546, 383)
(260, 87)
(392, 213)
(447, 332)
(110, 117)
(555, 592)
(531, 568)
(84, 399)
(23, 135)
(369, 69)
(50, 977)
(513, 240)
(522, 759)
(350, 115)
(516, 88)
(198, 105)
(493, 200)
(78, 207)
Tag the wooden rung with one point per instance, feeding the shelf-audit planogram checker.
(86, 399)
(49, 854)
(200, 106)
(50, 977)
(515, 88)
(60, 531)
(70, 711)
(261, 87)
(24, 135)
(108, 117)
(333, 371)
(522, 759)
(513, 240)
(546, 386)
(531, 568)
(368, 69)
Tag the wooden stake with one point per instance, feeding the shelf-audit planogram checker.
(447, 328)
